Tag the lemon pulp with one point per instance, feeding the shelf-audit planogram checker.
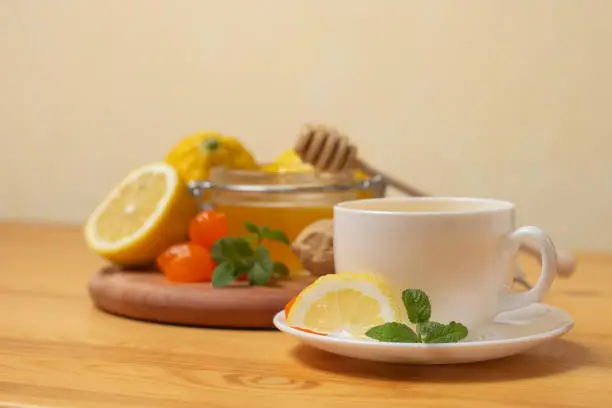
(344, 304)
(142, 216)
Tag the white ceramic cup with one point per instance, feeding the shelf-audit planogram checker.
(460, 251)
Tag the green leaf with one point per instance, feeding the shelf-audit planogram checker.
(428, 329)
(281, 269)
(434, 332)
(210, 145)
(252, 239)
(263, 267)
(262, 256)
(236, 250)
(417, 305)
(251, 227)
(274, 235)
(258, 275)
(224, 274)
(393, 332)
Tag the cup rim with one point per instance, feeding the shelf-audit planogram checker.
(494, 206)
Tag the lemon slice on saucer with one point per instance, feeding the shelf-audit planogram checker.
(148, 211)
(344, 305)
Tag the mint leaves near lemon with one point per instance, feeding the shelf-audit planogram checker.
(235, 256)
(393, 332)
(418, 308)
(417, 305)
(432, 332)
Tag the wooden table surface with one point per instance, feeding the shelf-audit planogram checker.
(56, 350)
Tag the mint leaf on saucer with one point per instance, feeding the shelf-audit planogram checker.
(427, 330)
(418, 308)
(417, 305)
(434, 332)
(393, 332)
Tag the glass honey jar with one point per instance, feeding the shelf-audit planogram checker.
(285, 201)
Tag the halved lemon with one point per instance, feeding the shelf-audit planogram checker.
(148, 211)
(345, 305)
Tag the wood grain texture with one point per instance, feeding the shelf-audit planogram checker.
(58, 350)
(147, 295)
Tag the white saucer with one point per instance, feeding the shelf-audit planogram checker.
(511, 333)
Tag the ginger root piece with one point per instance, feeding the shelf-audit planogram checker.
(314, 246)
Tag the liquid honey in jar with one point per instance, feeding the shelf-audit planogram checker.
(285, 201)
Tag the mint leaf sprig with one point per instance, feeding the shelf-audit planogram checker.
(266, 233)
(235, 256)
(418, 308)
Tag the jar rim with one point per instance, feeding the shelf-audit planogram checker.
(220, 171)
(197, 187)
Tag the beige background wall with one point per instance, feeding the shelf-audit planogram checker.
(509, 99)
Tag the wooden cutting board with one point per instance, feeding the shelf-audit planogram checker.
(146, 295)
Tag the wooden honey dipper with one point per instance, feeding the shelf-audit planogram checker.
(327, 150)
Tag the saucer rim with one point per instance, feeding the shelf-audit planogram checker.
(279, 320)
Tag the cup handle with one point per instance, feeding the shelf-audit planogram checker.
(510, 300)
